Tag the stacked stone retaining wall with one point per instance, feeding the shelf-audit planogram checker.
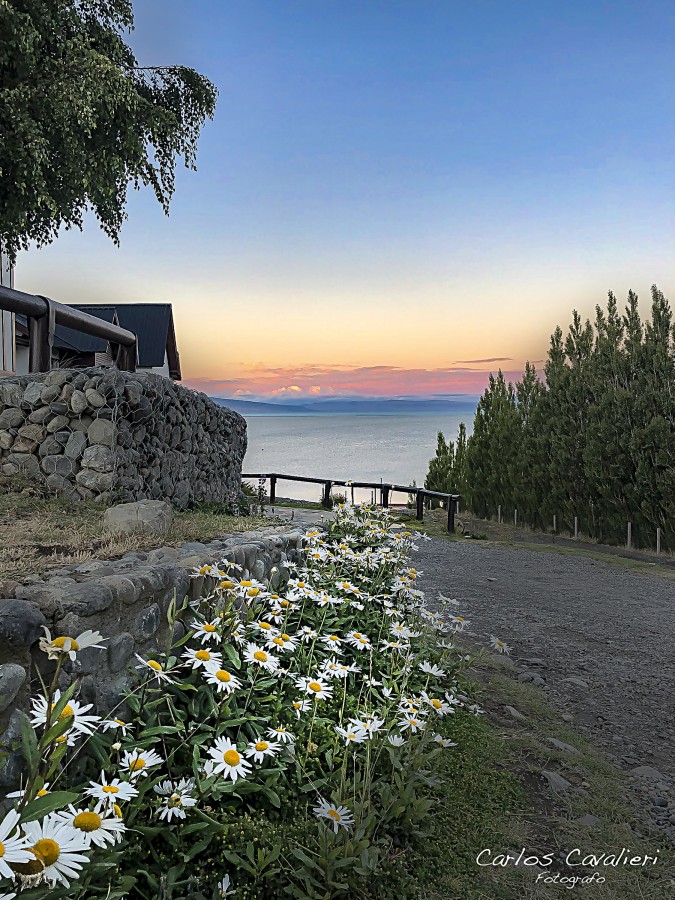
(127, 601)
(104, 434)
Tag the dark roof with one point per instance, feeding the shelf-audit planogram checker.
(69, 339)
(152, 323)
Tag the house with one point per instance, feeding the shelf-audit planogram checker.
(152, 323)
(6, 319)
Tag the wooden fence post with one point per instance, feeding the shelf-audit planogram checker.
(515, 516)
(385, 495)
(499, 515)
(420, 506)
(629, 536)
(325, 500)
(576, 528)
(658, 540)
(273, 489)
(451, 514)
(555, 525)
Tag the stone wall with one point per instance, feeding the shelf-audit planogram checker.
(127, 601)
(103, 434)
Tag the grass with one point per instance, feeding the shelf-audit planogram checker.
(482, 807)
(39, 533)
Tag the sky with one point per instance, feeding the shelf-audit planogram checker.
(394, 198)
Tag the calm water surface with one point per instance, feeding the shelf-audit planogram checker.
(363, 448)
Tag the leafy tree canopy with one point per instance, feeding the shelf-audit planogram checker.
(81, 120)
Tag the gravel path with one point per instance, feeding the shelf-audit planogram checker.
(599, 640)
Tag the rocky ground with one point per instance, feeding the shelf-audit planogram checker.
(599, 640)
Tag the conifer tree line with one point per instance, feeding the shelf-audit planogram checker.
(594, 439)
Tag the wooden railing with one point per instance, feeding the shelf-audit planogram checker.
(386, 490)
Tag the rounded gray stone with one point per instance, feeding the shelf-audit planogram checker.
(33, 393)
(94, 481)
(57, 424)
(147, 622)
(11, 418)
(21, 623)
(120, 651)
(101, 431)
(87, 599)
(57, 465)
(76, 444)
(12, 676)
(78, 402)
(94, 398)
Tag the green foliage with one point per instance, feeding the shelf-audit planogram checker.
(595, 440)
(83, 120)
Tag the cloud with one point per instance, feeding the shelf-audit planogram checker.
(490, 359)
(357, 381)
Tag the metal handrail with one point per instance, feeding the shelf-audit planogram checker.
(44, 314)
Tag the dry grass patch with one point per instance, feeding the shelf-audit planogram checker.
(38, 533)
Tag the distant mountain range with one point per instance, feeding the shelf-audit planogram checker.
(372, 406)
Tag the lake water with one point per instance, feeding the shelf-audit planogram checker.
(364, 448)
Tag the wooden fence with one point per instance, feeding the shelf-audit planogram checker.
(386, 490)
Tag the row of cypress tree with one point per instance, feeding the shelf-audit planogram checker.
(594, 439)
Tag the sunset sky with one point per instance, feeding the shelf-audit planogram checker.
(395, 198)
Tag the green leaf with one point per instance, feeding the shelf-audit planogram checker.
(42, 806)
(29, 743)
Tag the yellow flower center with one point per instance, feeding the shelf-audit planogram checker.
(204, 570)
(335, 815)
(176, 800)
(253, 592)
(264, 625)
(137, 764)
(362, 640)
(227, 585)
(333, 637)
(357, 635)
(119, 721)
(285, 637)
(203, 655)
(2, 849)
(351, 736)
(261, 745)
(260, 656)
(246, 583)
(60, 642)
(209, 627)
(67, 711)
(301, 584)
(314, 686)
(284, 603)
(231, 757)
(436, 704)
(278, 641)
(117, 810)
(154, 665)
(47, 851)
(110, 789)
(87, 821)
(223, 676)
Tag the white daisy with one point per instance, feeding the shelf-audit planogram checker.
(412, 722)
(222, 679)
(259, 657)
(95, 826)
(352, 735)
(137, 762)
(68, 646)
(177, 797)
(85, 724)
(499, 646)
(224, 889)
(444, 742)
(301, 706)
(206, 631)
(201, 657)
(396, 646)
(307, 634)
(258, 750)
(338, 816)
(369, 723)
(15, 846)
(58, 848)
(282, 642)
(155, 668)
(227, 760)
(115, 725)
(315, 687)
(280, 734)
(113, 791)
(332, 642)
(396, 740)
(430, 669)
(357, 640)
